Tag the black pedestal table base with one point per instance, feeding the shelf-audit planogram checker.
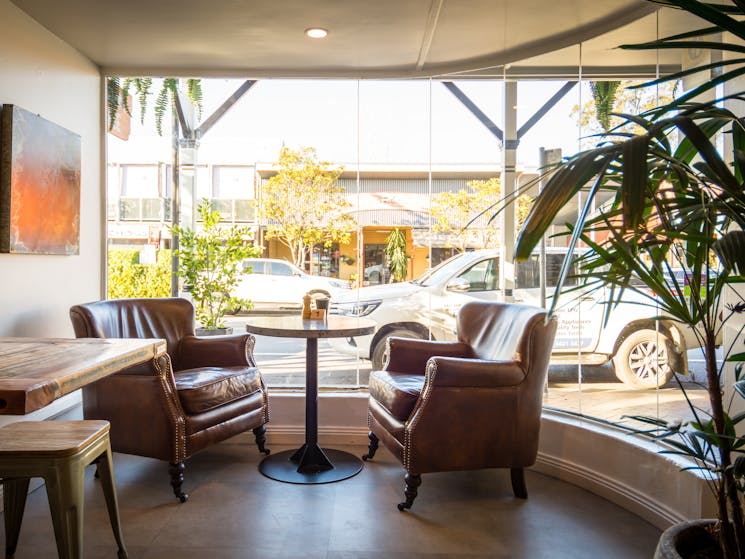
(282, 467)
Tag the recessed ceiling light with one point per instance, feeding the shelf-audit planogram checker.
(316, 32)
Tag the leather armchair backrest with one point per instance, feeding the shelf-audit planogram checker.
(167, 318)
(505, 331)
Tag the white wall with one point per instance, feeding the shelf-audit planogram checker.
(44, 75)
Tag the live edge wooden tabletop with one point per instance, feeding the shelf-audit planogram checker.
(36, 371)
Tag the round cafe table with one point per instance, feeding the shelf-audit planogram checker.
(310, 463)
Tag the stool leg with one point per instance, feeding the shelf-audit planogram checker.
(14, 503)
(105, 467)
(66, 498)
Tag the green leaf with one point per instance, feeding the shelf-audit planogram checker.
(558, 191)
(738, 467)
(706, 150)
(113, 91)
(710, 12)
(731, 252)
(739, 387)
(634, 182)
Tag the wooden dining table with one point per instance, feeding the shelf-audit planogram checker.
(36, 371)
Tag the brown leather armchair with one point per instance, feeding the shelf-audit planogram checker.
(465, 405)
(203, 391)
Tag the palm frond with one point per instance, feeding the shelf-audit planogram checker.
(716, 14)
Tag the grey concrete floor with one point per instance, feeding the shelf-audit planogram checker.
(234, 512)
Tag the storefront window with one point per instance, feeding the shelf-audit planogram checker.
(325, 260)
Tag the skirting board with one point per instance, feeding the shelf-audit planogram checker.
(625, 469)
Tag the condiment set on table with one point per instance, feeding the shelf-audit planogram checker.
(315, 308)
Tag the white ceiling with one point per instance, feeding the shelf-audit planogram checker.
(367, 38)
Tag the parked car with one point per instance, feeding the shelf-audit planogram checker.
(277, 285)
(643, 354)
(376, 274)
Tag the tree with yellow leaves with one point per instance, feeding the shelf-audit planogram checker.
(452, 211)
(303, 204)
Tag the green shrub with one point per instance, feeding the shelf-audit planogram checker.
(210, 262)
(128, 278)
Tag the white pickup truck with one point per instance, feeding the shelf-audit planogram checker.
(645, 352)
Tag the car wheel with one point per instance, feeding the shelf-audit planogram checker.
(643, 359)
(380, 351)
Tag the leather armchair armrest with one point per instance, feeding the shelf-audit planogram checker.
(407, 355)
(217, 351)
(472, 373)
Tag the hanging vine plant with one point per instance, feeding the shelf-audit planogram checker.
(118, 91)
(604, 94)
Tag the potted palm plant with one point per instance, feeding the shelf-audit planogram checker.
(674, 220)
(395, 254)
(211, 265)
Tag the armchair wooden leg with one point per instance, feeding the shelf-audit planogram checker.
(177, 479)
(412, 482)
(260, 434)
(518, 483)
(372, 447)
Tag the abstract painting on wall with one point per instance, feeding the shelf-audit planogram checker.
(39, 185)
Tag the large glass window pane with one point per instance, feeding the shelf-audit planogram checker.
(427, 162)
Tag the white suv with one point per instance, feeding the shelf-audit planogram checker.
(277, 285)
(645, 352)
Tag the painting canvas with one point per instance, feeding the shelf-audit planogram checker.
(39, 185)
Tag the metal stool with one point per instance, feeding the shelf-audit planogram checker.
(57, 451)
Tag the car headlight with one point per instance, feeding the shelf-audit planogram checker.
(356, 308)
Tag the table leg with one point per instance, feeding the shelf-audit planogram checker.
(310, 458)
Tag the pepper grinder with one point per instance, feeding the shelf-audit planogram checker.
(306, 306)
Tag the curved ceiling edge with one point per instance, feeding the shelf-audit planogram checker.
(553, 43)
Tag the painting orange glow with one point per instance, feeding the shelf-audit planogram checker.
(39, 185)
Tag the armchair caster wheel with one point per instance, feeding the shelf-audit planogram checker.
(260, 434)
(413, 481)
(177, 479)
(372, 447)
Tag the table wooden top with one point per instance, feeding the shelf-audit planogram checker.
(297, 327)
(36, 371)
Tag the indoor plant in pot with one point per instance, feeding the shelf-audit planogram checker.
(674, 224)
(211, 264)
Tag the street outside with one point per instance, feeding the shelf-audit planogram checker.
(599, 395)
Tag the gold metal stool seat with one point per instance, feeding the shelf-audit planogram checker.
(57, 451)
